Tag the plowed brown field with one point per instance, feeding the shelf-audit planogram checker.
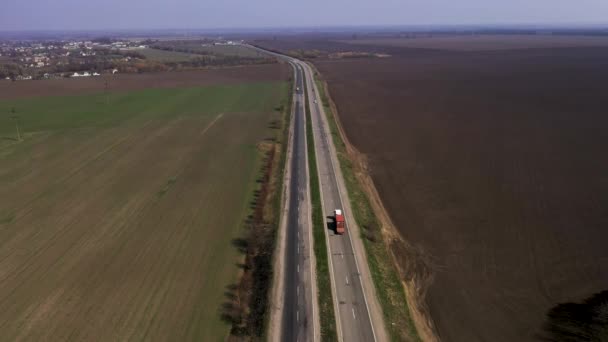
(493, 166)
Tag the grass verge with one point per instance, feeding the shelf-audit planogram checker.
(391, 293)
(250, 310)
(326, 304)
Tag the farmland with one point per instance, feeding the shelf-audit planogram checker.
(231, 50)
(180, 51)
(490, 162)
(129, 82)
(484, 42)
(119, 211)
(166, 56)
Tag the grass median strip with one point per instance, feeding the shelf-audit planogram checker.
(326, 308)
(391, 294)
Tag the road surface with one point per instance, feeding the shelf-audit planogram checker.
(298, 319)
(358, 313)
(353, 315)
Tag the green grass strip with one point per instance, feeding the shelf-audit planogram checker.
(326, 303)
(390, 291)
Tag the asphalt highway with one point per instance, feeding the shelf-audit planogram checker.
(298, 302)
(353, 315)
(358, 314)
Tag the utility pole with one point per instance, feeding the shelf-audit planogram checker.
(15, 117)
(107, 92)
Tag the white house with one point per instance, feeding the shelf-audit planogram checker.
(84, 74)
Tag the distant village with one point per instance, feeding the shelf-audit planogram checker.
(34, 60)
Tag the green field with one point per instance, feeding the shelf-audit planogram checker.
(199, 48)
(118, 212)
(231, 50)
(167, 56)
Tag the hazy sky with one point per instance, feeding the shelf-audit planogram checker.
(143, 14)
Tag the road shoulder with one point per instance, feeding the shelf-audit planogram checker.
(278, 288)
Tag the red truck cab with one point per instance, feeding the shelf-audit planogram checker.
(340, 224)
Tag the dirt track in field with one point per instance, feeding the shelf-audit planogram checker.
(491, 164)
(127, 82)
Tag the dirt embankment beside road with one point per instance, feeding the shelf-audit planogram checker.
(490, 165)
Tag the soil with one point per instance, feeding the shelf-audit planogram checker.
(484, 42)
(127, 82)
(491, 165)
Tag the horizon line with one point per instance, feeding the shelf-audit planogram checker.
(243, 29)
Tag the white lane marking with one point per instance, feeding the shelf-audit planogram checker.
(355, 317)
(298, 268)
(346, 280)
(298, 315)
(342, 255)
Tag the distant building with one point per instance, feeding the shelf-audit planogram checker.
(84, 74)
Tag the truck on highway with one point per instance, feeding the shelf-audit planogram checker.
(339, 219)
